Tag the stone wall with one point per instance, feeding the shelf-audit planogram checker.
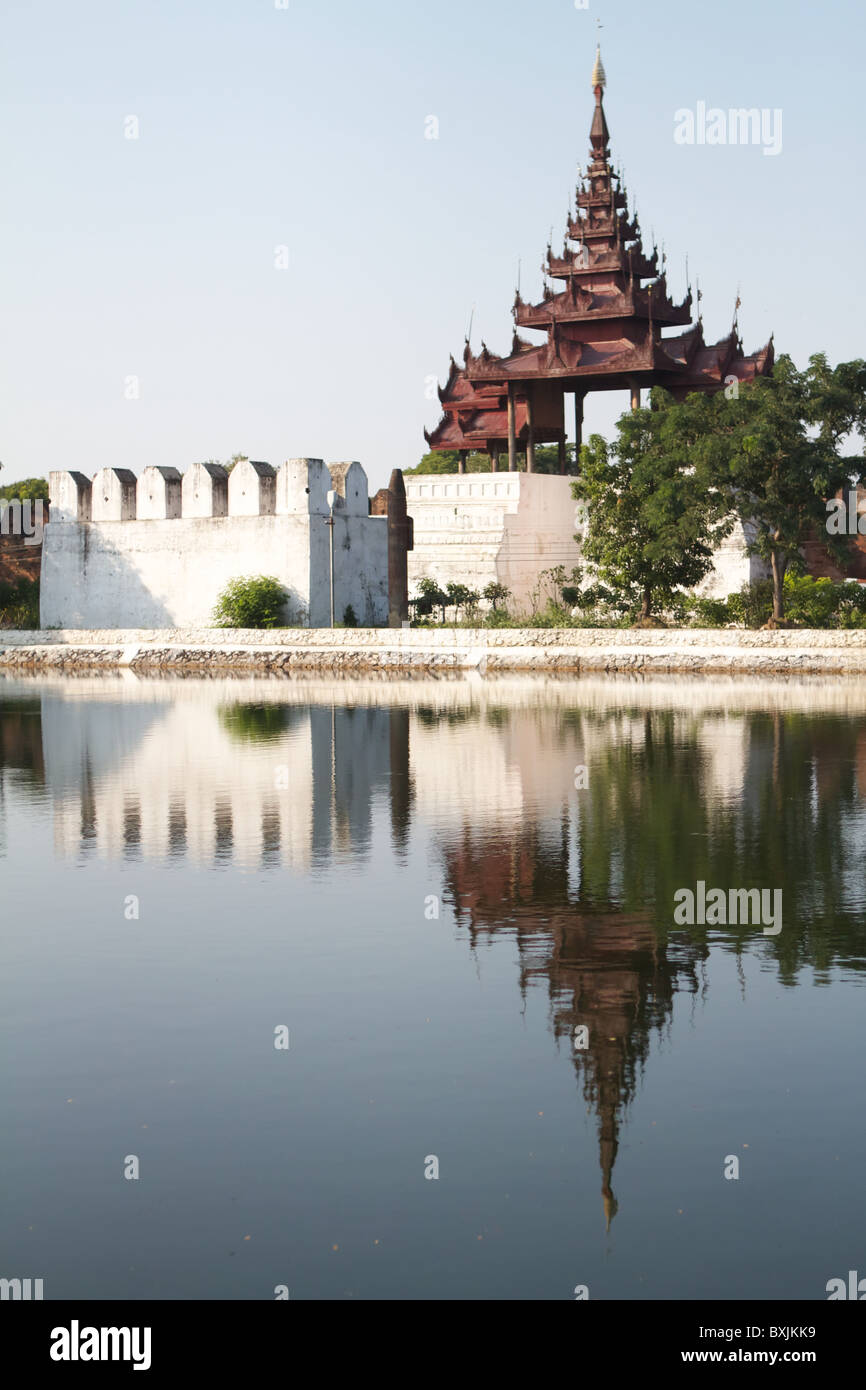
(156, 551)
(477, 528)
(445, 651)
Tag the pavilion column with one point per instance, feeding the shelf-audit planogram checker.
(530, 427)
(579, 397)
(512, 434)
(494, 459)
(635, 394)
(461, 467)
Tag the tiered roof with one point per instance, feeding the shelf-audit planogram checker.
(603, 325)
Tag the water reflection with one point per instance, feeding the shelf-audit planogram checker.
(734, 784)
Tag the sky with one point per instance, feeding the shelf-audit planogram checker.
(224, 227)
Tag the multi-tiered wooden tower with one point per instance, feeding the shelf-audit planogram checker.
(604, 332)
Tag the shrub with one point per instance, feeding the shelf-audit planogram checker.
(709, 612)
(257, 723)
(258, 601)
(19, 604)
(498, 617)
(430, 596)
(350, 618)
(753, 605)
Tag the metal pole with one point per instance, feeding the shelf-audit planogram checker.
(331, 537)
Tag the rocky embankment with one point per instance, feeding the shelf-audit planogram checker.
(438, 651)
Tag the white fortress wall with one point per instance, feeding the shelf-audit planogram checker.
(165, 573)
(476, 528)
(360, 550)
(157, 551)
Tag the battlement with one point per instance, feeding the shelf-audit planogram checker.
(298, 487)
(157, 550)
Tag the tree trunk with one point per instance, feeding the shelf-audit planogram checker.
(646, 606)
(778, 566)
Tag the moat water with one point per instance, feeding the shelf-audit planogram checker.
(374, 990)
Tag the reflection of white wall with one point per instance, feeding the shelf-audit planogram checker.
(170, 776)
(724, 741)
(185, 769)
(494, 771)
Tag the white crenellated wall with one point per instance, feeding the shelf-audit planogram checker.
(156, 551)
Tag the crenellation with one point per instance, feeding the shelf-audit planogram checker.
(158, 494)
(302, 485)
(205, 491)
(252, 489)
(114, 495)
(349, 482)
(69, 496)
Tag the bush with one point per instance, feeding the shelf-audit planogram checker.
(257, 723)
(753, 605)
(821, 603)
(19, 604)
(709, 612)
(259, 601)
(498, 617)
(350, 618)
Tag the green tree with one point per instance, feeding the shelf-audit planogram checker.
(477, 461)
(655, 515)
(496, 593)
(459, 596)
(774, 451)
(448, 461)
(28, 489)
(430, 597)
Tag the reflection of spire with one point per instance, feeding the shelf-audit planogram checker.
(609, 1202)
(605, 969)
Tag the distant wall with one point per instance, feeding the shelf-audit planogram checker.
(733, 566)
(477, 528)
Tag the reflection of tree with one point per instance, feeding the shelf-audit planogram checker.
(21, 760)
(21, 739)
(651, 824)
(259, 723)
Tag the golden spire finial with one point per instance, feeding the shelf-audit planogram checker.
(598, 74)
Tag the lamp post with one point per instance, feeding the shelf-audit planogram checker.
(330, 498)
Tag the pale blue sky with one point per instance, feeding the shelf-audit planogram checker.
(305, 127)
